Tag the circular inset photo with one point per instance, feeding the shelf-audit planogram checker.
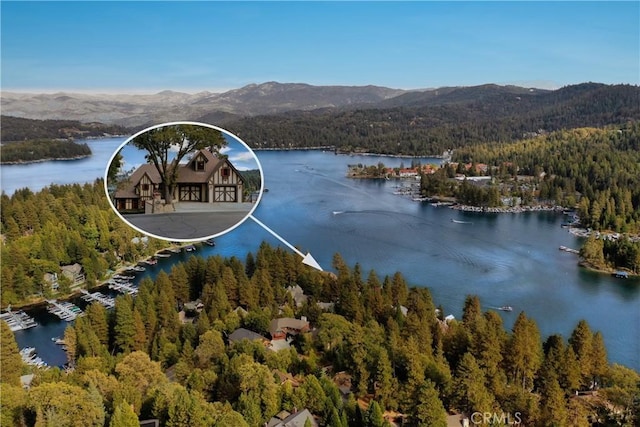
(184, 181)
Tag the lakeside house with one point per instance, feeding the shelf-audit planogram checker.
(73, 272)
(206, 178)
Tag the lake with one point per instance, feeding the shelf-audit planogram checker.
(505, 259)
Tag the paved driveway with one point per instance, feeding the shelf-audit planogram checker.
(191, 220)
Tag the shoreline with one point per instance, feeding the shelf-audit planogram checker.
(508, 209)
(353, 153)
(606, 270)
(49, 159)
(41, 301)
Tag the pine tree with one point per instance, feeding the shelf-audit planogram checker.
(525, 355)
(97, 316)
(125, 328)
(599, 358)
(553, 404)
(581, 341)
(123, 416)
(374, 415)
(10, 359)
(429, 410)
(471, 393)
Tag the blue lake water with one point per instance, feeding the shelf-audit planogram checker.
(505, 259)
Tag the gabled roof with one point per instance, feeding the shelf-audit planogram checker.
(186, 173)
(288, 323)
(145, 169)
(72, 268)
(245, 334)
(299, 419)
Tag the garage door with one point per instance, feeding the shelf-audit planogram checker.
(225, 194)
(190, 193)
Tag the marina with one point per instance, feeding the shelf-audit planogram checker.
(18, 320)
(64, 310)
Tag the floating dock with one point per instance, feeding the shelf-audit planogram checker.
(571, 251)
(18, 320)
(106, 301)
(124, 288)
(29, 357)
(64, 310)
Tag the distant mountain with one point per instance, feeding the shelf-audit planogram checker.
(352, 117)
(437, 120)
(137, 110)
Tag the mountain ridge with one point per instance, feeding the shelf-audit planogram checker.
(134, 110)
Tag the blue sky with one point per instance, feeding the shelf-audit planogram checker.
(239, 155)
(192, 46)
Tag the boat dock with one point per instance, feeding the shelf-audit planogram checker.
(106, 301)
(29, 357)
(18, 320)
(125, 288)
(571, 251)
(64, 310)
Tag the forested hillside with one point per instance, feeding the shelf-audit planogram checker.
(431, 126)
(20, 129)
(42, 149)
(62, 225)
(384, 351)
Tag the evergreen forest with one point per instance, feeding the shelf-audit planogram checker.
(42, 149)
(383, 353)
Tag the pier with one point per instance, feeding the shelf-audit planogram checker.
(106, 301)
(64, 310)
(124, 288)
(18, 320)
(571, 251)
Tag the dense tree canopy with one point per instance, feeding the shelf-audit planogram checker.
(141, 362)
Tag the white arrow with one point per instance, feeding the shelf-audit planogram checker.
(306, 259)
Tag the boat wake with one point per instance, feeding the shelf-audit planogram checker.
(461, 222)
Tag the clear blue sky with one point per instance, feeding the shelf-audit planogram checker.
(148, 46)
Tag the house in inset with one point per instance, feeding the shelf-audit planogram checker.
(206, 178)
(280, 328)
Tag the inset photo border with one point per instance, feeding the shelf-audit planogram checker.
(184, 181)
